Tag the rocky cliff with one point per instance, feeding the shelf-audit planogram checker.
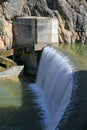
(71, 14)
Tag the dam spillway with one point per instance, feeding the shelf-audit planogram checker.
(54, 84)
(30, 115)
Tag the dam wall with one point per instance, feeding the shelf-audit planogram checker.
(31, 34)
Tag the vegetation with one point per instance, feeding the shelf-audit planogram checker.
(80, 49)
(1, 29)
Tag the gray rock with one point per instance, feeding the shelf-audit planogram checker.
(12, 8)
(38, 8)
(72, 14)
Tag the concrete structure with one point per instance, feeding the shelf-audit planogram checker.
(7, 53)
(54, 31)
(31, 34)
(36, 31)
(6, 61)
(11, 73)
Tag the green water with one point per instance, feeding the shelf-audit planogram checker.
(10, 94)
(18, 111)
(77, 120)
(76, 53)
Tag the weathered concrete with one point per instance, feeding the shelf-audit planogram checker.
(27, 58)
(7, 53)
(7, 62)
(35, 30)
(54, 35)
(11, 73)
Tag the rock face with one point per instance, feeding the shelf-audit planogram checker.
(71, 14)
(9, 10)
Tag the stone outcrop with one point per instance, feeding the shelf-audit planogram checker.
(9, 10)
(71, 14)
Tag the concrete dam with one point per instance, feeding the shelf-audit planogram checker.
(31, 34)
(60, 90)
(54, 72)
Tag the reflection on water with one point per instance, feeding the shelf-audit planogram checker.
(17, 109)
(75, 117)
(10, 94)
(77, 54)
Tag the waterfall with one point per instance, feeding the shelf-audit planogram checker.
(54, 84)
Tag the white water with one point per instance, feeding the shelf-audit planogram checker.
(54, 84)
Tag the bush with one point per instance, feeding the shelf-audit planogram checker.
(1, 29)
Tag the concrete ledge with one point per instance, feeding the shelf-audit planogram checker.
(11, 73)
(38, 47)
(7, 53)
(7, 62)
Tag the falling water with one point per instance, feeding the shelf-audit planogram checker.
(53, 86)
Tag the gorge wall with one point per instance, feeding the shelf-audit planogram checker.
(71, 14)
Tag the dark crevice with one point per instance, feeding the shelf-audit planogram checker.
(52, 4)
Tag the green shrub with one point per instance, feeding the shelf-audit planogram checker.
(1, 29)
